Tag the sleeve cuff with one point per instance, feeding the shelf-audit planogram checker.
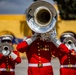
(29, 41)
(13, 55)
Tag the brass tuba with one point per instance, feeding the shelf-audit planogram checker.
(5, 47)
(41, 17)
(68, 38)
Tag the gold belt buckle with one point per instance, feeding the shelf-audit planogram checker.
(40, 65)
(7, 69)
(70, 65)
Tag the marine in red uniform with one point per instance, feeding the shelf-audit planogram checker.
(67, 61)
(8, 59)
(38, 51)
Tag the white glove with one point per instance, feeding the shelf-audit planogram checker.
(33, 38)
(54, 39)
(52, 35)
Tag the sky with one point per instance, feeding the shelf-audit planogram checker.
(16, 6)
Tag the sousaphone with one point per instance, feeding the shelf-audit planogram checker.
(41, 17)
(5, 47)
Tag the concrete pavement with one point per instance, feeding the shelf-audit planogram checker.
(21, 69)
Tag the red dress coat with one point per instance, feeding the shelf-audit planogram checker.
(39, 55)
(7, 64)
(67, 61)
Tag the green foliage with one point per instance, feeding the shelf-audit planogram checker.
(67, 9)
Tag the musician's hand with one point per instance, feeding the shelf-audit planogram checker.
(54, 39)
(52, 35)
(35, 36)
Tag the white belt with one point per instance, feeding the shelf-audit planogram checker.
(5, 69)
(39, 64)
(68, 66)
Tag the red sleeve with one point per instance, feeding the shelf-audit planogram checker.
(74, 56)
(55, 50)
(1, 55)
(63, 48)
(22, 47)
(18, 59)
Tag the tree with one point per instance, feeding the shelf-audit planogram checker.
(67, 9)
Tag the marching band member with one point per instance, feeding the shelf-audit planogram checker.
(38, 49)
(8, 59)
(67, 60)
(41, 17)
(38, 54)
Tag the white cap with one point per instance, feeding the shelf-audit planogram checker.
(67, 35)
(7, 37)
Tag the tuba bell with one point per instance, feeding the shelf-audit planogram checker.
(68, 38)
(5, 47)
(41, 17)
